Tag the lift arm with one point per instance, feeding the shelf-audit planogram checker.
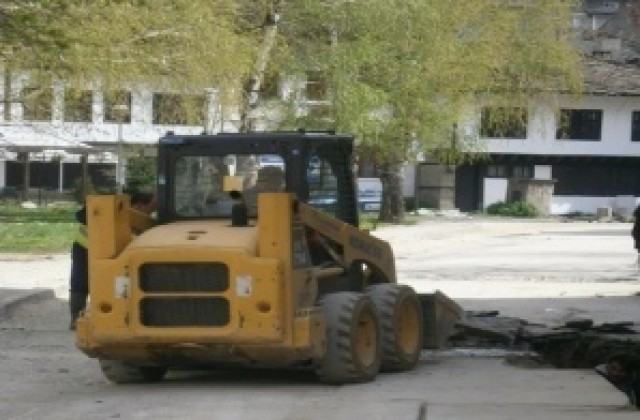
(357, 245)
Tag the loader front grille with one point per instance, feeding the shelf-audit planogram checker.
(184, 311)
(184, 277)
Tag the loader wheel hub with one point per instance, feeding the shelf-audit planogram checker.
(367, 338)
(408, 327)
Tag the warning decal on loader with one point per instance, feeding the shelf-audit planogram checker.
(244, 286)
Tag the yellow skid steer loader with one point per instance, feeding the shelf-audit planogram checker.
(254, 259)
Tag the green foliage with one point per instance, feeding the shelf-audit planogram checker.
(404, 71)
(17, 214)
(371, 221)
(182, 46)
(514, 209)
(141, 173)
(368, 221)
(78, 191)
(399, 73)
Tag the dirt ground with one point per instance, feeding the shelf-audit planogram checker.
(542, 271)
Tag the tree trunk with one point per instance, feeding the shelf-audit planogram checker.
(26, 175)
(252, 86)
(8, 95)
(391, 176)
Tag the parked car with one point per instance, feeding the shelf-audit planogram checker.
(270, 160)
(323, 200)
(369, 194)
(369, 200)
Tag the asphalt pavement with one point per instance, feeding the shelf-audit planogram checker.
(11, 299)
(551, 272)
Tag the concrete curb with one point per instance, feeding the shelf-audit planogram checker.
(11, 299)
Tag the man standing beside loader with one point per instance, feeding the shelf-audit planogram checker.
(143, 202)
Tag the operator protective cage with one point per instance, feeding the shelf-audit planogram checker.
(196, 173)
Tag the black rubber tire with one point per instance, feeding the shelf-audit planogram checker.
(400, 315)
(353, 352)
(121, 372)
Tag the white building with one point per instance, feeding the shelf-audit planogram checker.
(57, 130)
(583, 158)
(589, 159)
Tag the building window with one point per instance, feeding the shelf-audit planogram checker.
(316, 87)
(501, 122)
(176, 109)
(117, 106)
(320, 111)
(580, 124)
(37, 104)
(497, 171)
(522, 172)
(78, 105)
(269, 89)
(635, 126)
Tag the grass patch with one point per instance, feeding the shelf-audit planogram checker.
(36, 237)
(40, 230)
(16, 214)
(369, 221)
(52, 230)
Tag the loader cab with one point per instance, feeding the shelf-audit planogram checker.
(196, 173)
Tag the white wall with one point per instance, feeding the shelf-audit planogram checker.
(409, 180)
(542, 171)
(58, 133)
(623, 205)
(541, 130)
(495, 189)
(561, 204)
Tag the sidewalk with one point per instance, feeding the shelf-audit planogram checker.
(24, 272)
(11, 299)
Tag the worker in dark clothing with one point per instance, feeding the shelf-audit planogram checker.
(79, 282)
(635, 232)
(144, 202)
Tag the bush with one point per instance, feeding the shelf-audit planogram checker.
(514, 209)
(141, 174)
(410, 204)
(78, 192)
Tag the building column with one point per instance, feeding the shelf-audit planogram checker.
(60, 175)
(84, 162)
(3, 173)
(26, 177)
